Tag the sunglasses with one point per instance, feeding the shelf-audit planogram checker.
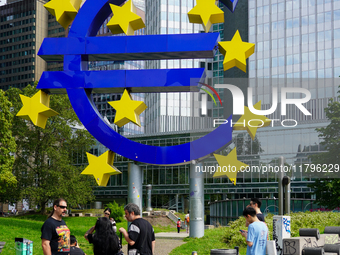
(106, 213)
(62, 206)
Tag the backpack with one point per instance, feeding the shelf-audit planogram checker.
(188, 219)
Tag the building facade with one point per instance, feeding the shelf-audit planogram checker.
(171, 112)
(23, 26)
(296, 46)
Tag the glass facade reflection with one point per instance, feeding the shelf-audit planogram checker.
(168, 112)
(295, 39)
(296, 46)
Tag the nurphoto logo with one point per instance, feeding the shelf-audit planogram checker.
(239, 106)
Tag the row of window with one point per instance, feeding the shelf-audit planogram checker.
(17, 78)
(17, 39)
(287, 6)
(18, 70)
(18, 46)
(296, 3)
(322, 73)
(275, 26)
(106, 98)
(56, 31)
(16, 85)
(17, 31)
(17, 23)
(295, 41)
(15, 16)
(18, 54)
(295, 59)
(17, 62)
(53, 23)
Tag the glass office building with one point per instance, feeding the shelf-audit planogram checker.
(293, 39)
(23, 26)
(170, 112)
(297, 45)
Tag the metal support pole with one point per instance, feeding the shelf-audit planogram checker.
(196, 201)
(148, 202)
(280, 178)
(135, 185)
(176, 201)
(287, 194)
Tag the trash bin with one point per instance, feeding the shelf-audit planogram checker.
(23, 246)
(223, 251)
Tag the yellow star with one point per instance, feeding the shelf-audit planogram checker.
(230, 166)
(125, 20)
(64, 10)
(236, 52)
(101, 167)
(127, 110)
(251, 122)
(36, 109)
(207, 13)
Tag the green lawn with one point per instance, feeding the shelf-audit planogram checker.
(29, 227)
(229, 237)
(220, 238)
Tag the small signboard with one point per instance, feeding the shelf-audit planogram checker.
(281, 230)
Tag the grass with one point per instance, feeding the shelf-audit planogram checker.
(29, 227)
(212, 239)
(229, 237)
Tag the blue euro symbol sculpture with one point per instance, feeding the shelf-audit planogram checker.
(82, 46)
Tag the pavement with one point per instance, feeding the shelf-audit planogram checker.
(172, 235)
(166, 242)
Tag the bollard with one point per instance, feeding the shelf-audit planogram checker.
(23, 246)
(223, 251)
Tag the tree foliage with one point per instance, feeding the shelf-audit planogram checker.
(327, 190)
(117, 212)
(47, 160)
(7, 148)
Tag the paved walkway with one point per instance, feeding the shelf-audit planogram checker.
(166, 242)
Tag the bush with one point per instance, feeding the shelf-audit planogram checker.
(117, 212)
(298, 220)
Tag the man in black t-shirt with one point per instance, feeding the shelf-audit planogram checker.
(140, 235)
(55, 235)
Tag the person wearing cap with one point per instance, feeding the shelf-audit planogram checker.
(178, 225)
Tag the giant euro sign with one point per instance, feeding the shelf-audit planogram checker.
(79, 83)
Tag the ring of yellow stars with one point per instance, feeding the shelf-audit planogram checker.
(206, 12)
(229, 166)
(127, 110)
(64, 10)
(101, 167)
(236, 52)
(125, 19)
(37, 108)
(251, 122)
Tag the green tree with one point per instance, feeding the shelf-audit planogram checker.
(327, 190)
(7, 148)
(117, 212)
(48, 161)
